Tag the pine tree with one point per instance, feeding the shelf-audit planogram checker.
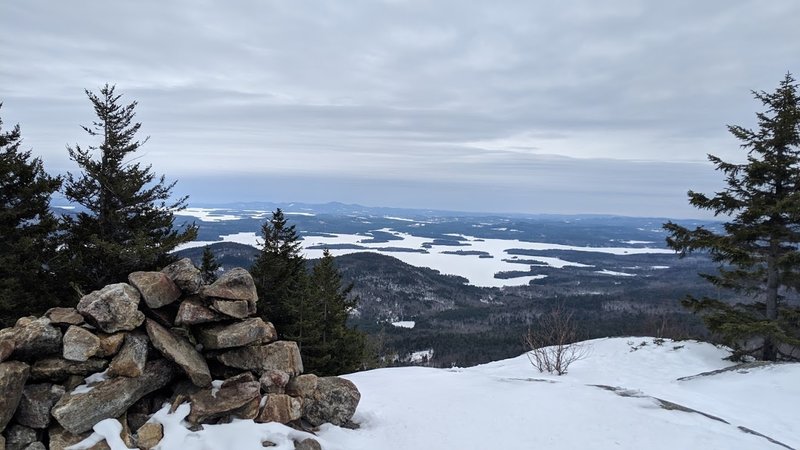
(128, 224)
(209, 266)
(340, 349)
(280, 276)
(28, 284)
(758, 250)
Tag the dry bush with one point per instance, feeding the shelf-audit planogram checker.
(552, 344)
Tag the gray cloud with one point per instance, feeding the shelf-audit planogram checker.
(605, 107)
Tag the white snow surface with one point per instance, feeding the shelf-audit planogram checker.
(509, 405)
(206, 214)
(404, 324)
(479, 271)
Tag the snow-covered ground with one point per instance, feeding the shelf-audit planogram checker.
(478, 270)
(613, 399)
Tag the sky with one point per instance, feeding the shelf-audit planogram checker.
(495, 106)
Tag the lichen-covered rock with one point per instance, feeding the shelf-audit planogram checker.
(80, 344)
(281, 408)
(302, 385)
(33, 338)
(65, 316)
(7, 346)
(185, 275)
(149, 435)
(193, 311)
(157, 288)
(131, 359)
(60, 438)
(181, 352)
(19, 437)
(77, 413)
(237, 334)
(13, 375)
(239, 399)
(38, 445)
(59, 369)
(274, 381)
(112, 308)
(235, 284)
(238, 309)
(280, 355)
(36, 402)
(335, 401)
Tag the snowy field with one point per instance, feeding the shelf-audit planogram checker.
(508, 405)
(478, 270)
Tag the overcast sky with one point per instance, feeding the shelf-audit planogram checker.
(517, 106)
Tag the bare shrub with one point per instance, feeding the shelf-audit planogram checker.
(553, 344)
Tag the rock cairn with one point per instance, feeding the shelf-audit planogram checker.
(162, 338)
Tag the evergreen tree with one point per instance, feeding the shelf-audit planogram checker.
(128, 222)
(28, 284)
(280, 276)
(339, 349)
(209, 266)
(758, 250)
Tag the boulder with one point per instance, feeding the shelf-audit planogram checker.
(19, 437)
(78, 413)
(60, 438)
(238, 309)
(185, 275)
(113, 308)
(110, 344)
(237, 334)
(307, 444)
(235, 399)
(80, 344)
(335, 401)
(280, 355)
(33, 338)
(36, 402)
(131, 359)
(157, 288)
(64, 316)
(7, 346)
(302, 385)
(149, 435)
(180, 351)
(36, 446)
(280, 408)
(13, 375)
(235, 284)
(274, 381)
(193, 311)
(59, 369)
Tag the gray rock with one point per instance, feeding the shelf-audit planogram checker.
(59, 369)
(238, 309)
(302, 385)
(80, 344)
(307, 444)
(235, 284)
(239, 399)
(334, 401)
(280, 355)
(113, 308)
(35, 446)
(281, 408)
(180, 351)
(66, 316)
(33, 338)
(77, 413)
(157, 288)
(18, 437)
(193, 311)
(7, 346)
(13, 375)
(131, 359)
(36, 402)
(237, 334)
(60, 438)
(185, 275)
(274, 381)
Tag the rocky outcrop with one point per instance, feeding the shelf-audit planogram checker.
(128, 349)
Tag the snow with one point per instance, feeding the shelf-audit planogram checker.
(613, 273)
(420, 356)
(479, 271)
(508, 404)
(404, 324)
(206, 214)
(402, 219)
(89, 382)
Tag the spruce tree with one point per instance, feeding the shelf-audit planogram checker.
(759, 247)
(339, 349)
(128, 222)
(209, 266)
(28, 283)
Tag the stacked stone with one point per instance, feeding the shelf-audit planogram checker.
(129, 348)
